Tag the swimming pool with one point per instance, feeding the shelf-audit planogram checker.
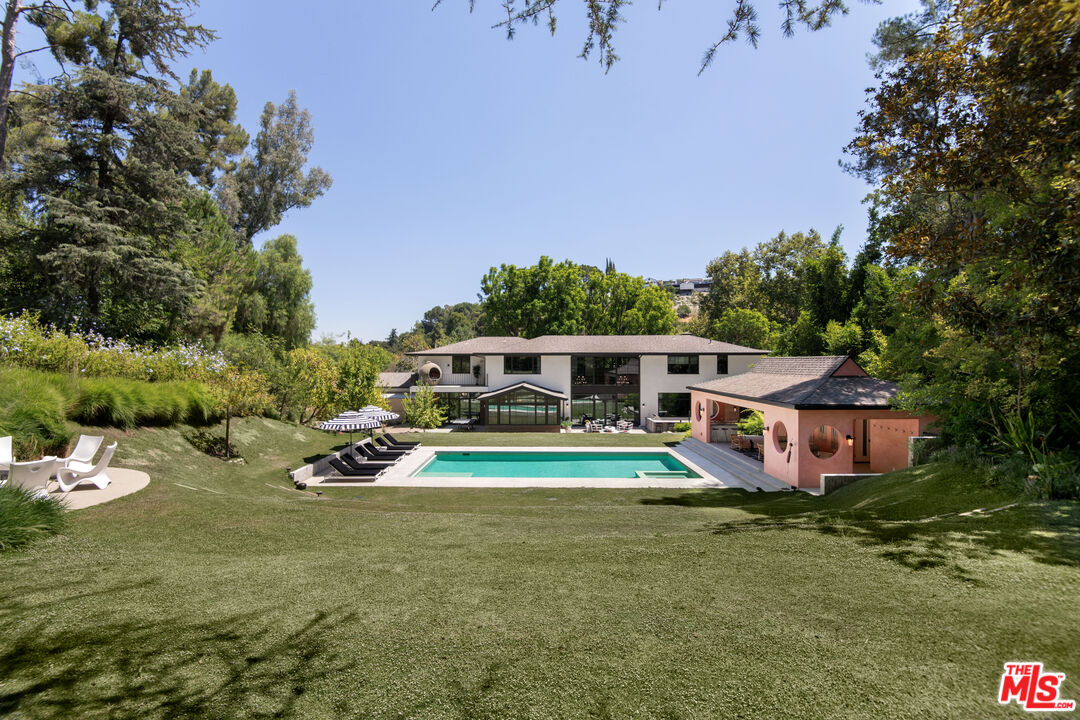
(554, 465)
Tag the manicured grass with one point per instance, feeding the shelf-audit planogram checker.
(242, 597)
(515, 439)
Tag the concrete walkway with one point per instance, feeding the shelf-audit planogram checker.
(124, 482)
(401, 474)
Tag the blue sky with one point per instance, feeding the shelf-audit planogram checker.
(453, 149)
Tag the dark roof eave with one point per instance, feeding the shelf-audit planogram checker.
(794, 406)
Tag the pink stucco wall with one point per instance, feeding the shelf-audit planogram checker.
(796, 464)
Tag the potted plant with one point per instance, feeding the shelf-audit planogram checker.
(566, 425)
(476, 373)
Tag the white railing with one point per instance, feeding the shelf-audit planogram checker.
(463, 379)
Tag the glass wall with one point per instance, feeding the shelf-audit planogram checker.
(459, 405)
(682, 364)
(522, 407)
(521, 365)
(673, 405)
(608, 407)
(614, 370)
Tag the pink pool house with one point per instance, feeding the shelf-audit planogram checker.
(823, 415)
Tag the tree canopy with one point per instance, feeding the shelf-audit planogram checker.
(568, 299)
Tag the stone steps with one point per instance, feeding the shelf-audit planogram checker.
(716, 460)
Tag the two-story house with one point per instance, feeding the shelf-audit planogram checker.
(512, 383)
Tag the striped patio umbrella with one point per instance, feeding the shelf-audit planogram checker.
(350, 421)
(376, 412)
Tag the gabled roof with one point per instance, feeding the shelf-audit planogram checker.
(593, 345)
(523, 386)
(828, 382)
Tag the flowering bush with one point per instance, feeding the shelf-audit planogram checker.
(25, 342)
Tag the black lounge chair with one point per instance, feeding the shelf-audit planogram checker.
(398, 443)
(354, 463)
(386, 445)
(383, 455)
(349, 472)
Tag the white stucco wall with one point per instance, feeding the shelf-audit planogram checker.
(554, 375)
(445, 363)
(655, 378)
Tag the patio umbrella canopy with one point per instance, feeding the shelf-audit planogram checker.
(350, 420)
(377, 413)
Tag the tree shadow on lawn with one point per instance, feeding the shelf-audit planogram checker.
(1047, 532)
(241, 665)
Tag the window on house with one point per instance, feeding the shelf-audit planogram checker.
(721, 365)
(674, 404)
(460, 364)
(682, 364)
(522, 407)
(521, 365)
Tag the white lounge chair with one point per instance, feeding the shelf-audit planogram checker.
(33, 475)
(5, 453)
(82, 457)
(69, 477)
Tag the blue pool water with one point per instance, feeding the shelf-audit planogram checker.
(550, 465)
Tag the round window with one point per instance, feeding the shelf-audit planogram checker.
(824, 441)
(779, 436)
(714, 411)
(435, 373)
(697, 410)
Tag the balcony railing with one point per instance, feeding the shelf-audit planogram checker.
(467, 379)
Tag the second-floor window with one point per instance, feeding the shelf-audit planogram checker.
(682, 364)
(460, 364)
(721, 364)
(521, 364)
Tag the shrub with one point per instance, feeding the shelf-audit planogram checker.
(25, 342)
(24, 517)
(754, 424)
(127, 403)
(34, 406)
(422, 410)
(922, 450)
(32, 411)
(682, 427)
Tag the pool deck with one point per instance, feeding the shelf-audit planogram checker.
(401, 474)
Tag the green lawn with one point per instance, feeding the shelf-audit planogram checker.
(245, 598)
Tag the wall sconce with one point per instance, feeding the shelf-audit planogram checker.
(850, 440)
(766, 428)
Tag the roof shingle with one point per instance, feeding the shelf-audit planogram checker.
(804, 382)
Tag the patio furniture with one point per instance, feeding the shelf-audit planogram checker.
(346, 471)
(464, 423)
(365, 450)
(381, 443)
(736, 441)
(384, 452)
(69, 477)
(390, 444)
(33, 476)
(5, 453)
(365, 465)
(394, 440)
(82, 457)
(754, 441)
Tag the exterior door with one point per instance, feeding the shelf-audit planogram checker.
(862, 441)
